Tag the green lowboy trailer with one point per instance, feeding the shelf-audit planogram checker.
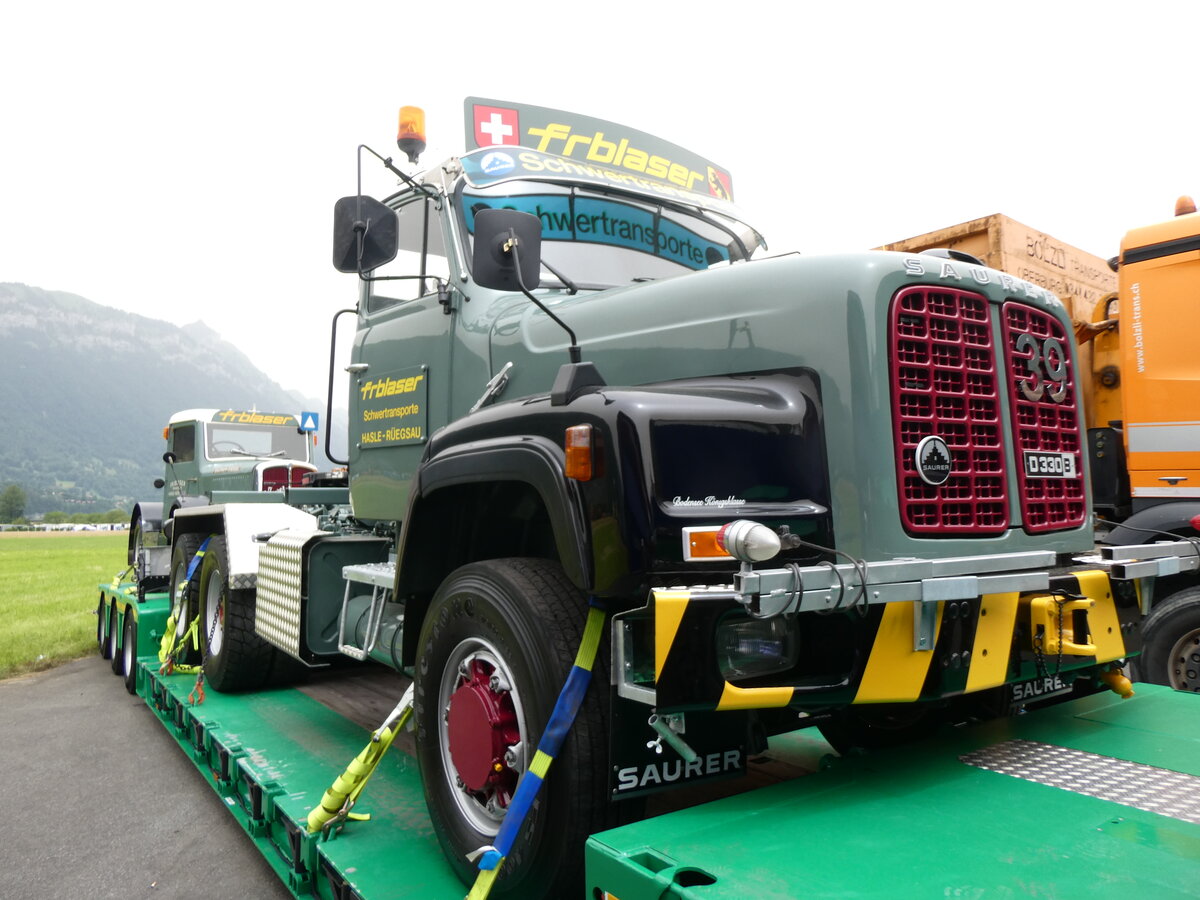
(1094, 798)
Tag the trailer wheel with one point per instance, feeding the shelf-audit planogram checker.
(494, 651)
(114, 640)
(183, 593)
(236, 658)
(880, 726)
(101, 622)
(1171, 643)
(129, 654)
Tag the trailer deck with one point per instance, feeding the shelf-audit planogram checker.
(271, 755)
(1096, 798)
(1093, 798)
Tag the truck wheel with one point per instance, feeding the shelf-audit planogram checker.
(1171, 643)
(183, 593)
(235, 659)
(879, 727)
(114, 640)
(101, 622)
(494, 651)
(129, 654)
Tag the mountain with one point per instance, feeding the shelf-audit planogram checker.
(86, 390)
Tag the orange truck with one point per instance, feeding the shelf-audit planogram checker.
(1139, 314)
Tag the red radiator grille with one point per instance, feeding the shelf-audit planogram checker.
(1045, 416)
(944, 384)
(275, 478)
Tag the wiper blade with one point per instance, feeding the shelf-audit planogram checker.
(277, 453)
(570, 285)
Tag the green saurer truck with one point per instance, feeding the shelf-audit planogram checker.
(628, 498)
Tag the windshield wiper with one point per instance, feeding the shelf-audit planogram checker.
(570, 285)
(257, 455)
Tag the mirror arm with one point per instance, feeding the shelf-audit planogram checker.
(387, 163)
(510, 246)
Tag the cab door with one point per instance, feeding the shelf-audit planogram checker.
(400, 365)
(184, 447)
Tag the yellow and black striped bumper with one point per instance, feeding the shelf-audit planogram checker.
(976, 644)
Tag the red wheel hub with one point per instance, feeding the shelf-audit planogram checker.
(481, 725)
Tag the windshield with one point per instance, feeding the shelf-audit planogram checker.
(224, 440)
(597, 239)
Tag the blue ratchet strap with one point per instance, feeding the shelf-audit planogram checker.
(192, 566)
(167, 647)
(197, 559)
(490, 859)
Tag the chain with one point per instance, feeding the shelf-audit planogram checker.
(1039, 642)
(197, 694)
(1060, 602)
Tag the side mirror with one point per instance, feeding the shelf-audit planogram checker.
(495, 267)
(159, 483)
(366, 221)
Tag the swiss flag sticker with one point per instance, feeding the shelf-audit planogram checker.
(496, 125)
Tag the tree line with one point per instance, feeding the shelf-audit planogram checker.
(12, 512)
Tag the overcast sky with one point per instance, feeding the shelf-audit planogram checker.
(181, 161)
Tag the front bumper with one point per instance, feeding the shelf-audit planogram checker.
(893, 632)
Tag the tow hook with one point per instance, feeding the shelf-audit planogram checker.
(1117, 682)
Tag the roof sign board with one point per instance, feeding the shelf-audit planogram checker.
(593, 142)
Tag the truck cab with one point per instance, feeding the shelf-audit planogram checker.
(431, 338)
(1146, 447)
(210, 451)
(232, 450)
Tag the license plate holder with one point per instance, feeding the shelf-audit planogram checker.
(1040, 464)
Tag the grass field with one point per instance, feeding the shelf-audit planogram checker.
(48, 595)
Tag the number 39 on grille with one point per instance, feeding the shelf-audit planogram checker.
(1047, 365)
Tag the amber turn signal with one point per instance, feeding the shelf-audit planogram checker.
(578, 445)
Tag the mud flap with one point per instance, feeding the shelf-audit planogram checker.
(707, 746)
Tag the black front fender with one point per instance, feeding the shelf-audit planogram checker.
(146, 518)
(530, 460)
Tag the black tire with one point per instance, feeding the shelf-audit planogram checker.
(1171, 643)
(114, 640)
(877, 727)
(102, 627)
(521, 619)
(235, 658)
(184, 606)
(129, 654)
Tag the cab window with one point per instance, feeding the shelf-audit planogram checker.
(601, 239)
(183, 442)
(421, 260)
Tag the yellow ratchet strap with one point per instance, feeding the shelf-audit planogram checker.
(337, 802)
